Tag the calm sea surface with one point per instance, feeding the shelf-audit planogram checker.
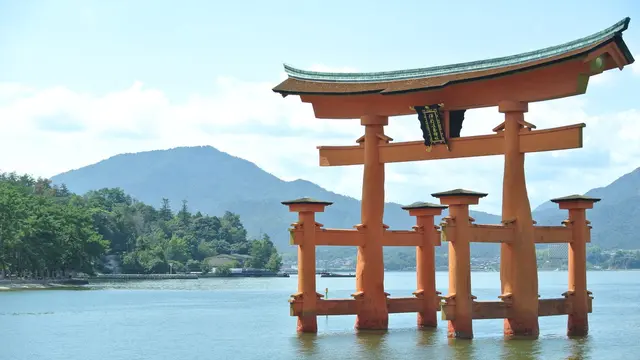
(249, 319)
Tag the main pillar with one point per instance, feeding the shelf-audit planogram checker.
(372, 310)
(518, 267)
(459, 297)
(578, 321)
(425, 262)
(307, 295)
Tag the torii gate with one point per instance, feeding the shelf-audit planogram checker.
(510, 83)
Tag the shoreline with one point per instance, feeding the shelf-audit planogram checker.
(36, 286)
(54, 284)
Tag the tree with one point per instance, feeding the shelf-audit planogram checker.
(223, 270)
(205, 228)
(184, 215)
(177, 250)
(205, 250)
(193, 265)
(13, 216)
(262, 252)
(205, 267)
(44, 229)
(275, 262)
(165, 210)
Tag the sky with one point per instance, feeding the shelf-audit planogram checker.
(84, 80)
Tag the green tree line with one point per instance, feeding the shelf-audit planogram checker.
(598, 258)
(46, 229)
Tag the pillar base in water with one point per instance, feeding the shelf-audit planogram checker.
(372, 312)
(521, 329)
(577, 325)
(457, 332)
(307, 324)
(371, 323)
(427, 320)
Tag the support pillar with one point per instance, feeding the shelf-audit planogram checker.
(307, 295)
(372, 311)
(425, 262)
(519, 283)
(458, 231)
(578, 321)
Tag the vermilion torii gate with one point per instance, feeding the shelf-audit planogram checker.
(510, 83)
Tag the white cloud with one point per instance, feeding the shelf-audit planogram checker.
(281, 135)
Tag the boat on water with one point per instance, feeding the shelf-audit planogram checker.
(337, 275)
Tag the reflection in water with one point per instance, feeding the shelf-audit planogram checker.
(461, 349)
(306, 344)
(372, 344)
(578, 348)
(521, 349)
(427, 337)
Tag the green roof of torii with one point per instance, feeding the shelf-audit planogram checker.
(482, 65)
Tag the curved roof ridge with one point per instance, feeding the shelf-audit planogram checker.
(478, 65)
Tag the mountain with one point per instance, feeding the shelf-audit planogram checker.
(615, 219)
(213, 182)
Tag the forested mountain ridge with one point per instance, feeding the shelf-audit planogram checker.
(214, 182)
(615, 219)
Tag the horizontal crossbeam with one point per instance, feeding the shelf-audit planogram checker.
(403, 238)
(560, 138)
(330, 237)
(502, 234)
(340, 237)
(350, 306)
(492, 233)
(482, 310)
(479, 234)
(552, 234)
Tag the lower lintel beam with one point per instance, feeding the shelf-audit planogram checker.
(483, 310)
(405, 305)
(350, 306)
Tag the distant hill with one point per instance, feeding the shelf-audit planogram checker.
(213, 182)
(615, 219)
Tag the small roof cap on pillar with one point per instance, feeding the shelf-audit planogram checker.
(575, 197)
(306, 201)
(423, 205)
(459, 192)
